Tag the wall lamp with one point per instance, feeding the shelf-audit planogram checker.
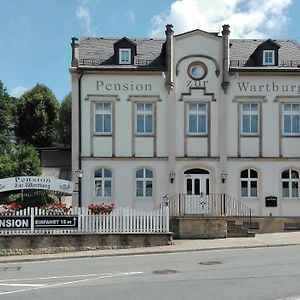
(172, 176)
(78, 174)
(223, 177)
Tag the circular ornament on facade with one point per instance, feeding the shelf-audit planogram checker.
(197, 70)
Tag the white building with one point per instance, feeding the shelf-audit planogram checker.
(192, 113)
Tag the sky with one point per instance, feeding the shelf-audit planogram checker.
(35, 35)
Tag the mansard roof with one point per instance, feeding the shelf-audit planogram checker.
(242, 49)
(99, 53)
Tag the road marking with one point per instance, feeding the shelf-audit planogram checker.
(71, 282)
(54, 277)
(20, 284)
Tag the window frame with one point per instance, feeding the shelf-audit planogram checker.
(198, 113)
(102, 112)
(103, 179)
(265, 56)
(144, 113)
(249, 180)
(144, 181)
(250, 113)
(125, 62)
(290, 182)
(290, 113)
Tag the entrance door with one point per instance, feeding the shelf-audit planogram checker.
(196, 200)
(197, 184)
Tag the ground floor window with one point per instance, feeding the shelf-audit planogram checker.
(103, 182)
(144, 183)
(290, 183)
(249, 180)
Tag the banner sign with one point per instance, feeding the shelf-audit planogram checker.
(39, 222)
(14, 222)
(36, 183)
(55, 221)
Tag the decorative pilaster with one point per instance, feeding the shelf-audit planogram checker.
(169, 83)
(225, 34)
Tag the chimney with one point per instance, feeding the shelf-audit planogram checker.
(225, 34)
(74, 45)
(169, 57)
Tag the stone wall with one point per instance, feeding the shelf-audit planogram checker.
(193, 227)
(275, 224)
(50, 243)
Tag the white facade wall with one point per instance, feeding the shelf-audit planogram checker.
(170, 149)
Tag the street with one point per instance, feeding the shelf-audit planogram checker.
(263, 273)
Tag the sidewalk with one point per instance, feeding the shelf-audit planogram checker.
(260, 240)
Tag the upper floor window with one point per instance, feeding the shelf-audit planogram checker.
(197, 118)
(268, 57)
(249, 180)
(103, 118)
(290, 183)
(103, 182)
(291, 119)
(249, 118)
(125, 56)
(144, 118)
(144, 183)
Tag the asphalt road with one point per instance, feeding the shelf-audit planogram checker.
(265, 273)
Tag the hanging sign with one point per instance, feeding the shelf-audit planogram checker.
(36, 183)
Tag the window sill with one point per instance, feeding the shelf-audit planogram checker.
(205, 135)
(144, 135)
(103, 134)
(246, 135)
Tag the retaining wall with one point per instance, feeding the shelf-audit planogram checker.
(195, 227)
(51, 243)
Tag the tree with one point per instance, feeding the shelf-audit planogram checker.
(20, 160)
(37, 112)
(65, 121)
(6, 113)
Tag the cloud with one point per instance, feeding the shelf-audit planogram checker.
(18, 91)
(247, 19)
(84, 16)
(131, 16)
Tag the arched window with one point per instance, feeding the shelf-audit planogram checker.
(103, 182)
(290, 183)
(249, 180)
(144, 183)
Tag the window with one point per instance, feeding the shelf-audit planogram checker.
(144, 118)
(268, 57)
(249, 180)
(144, 183)
(103, 182)
(197, 118)
(125, 56)
(103, 118)
(291, 119)
(249, 118)
(290, 183)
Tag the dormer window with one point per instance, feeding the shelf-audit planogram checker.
(269, 57)
(124, 56)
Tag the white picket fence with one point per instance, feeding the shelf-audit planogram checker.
(120, 220)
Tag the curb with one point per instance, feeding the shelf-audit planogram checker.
(16, 259)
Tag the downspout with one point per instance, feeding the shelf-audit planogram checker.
(79, 134)
(225, 34)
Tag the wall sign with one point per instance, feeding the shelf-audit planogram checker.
(39, 222)
(36, 183)
(271, 201)
(55, 221)
(14, 222)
